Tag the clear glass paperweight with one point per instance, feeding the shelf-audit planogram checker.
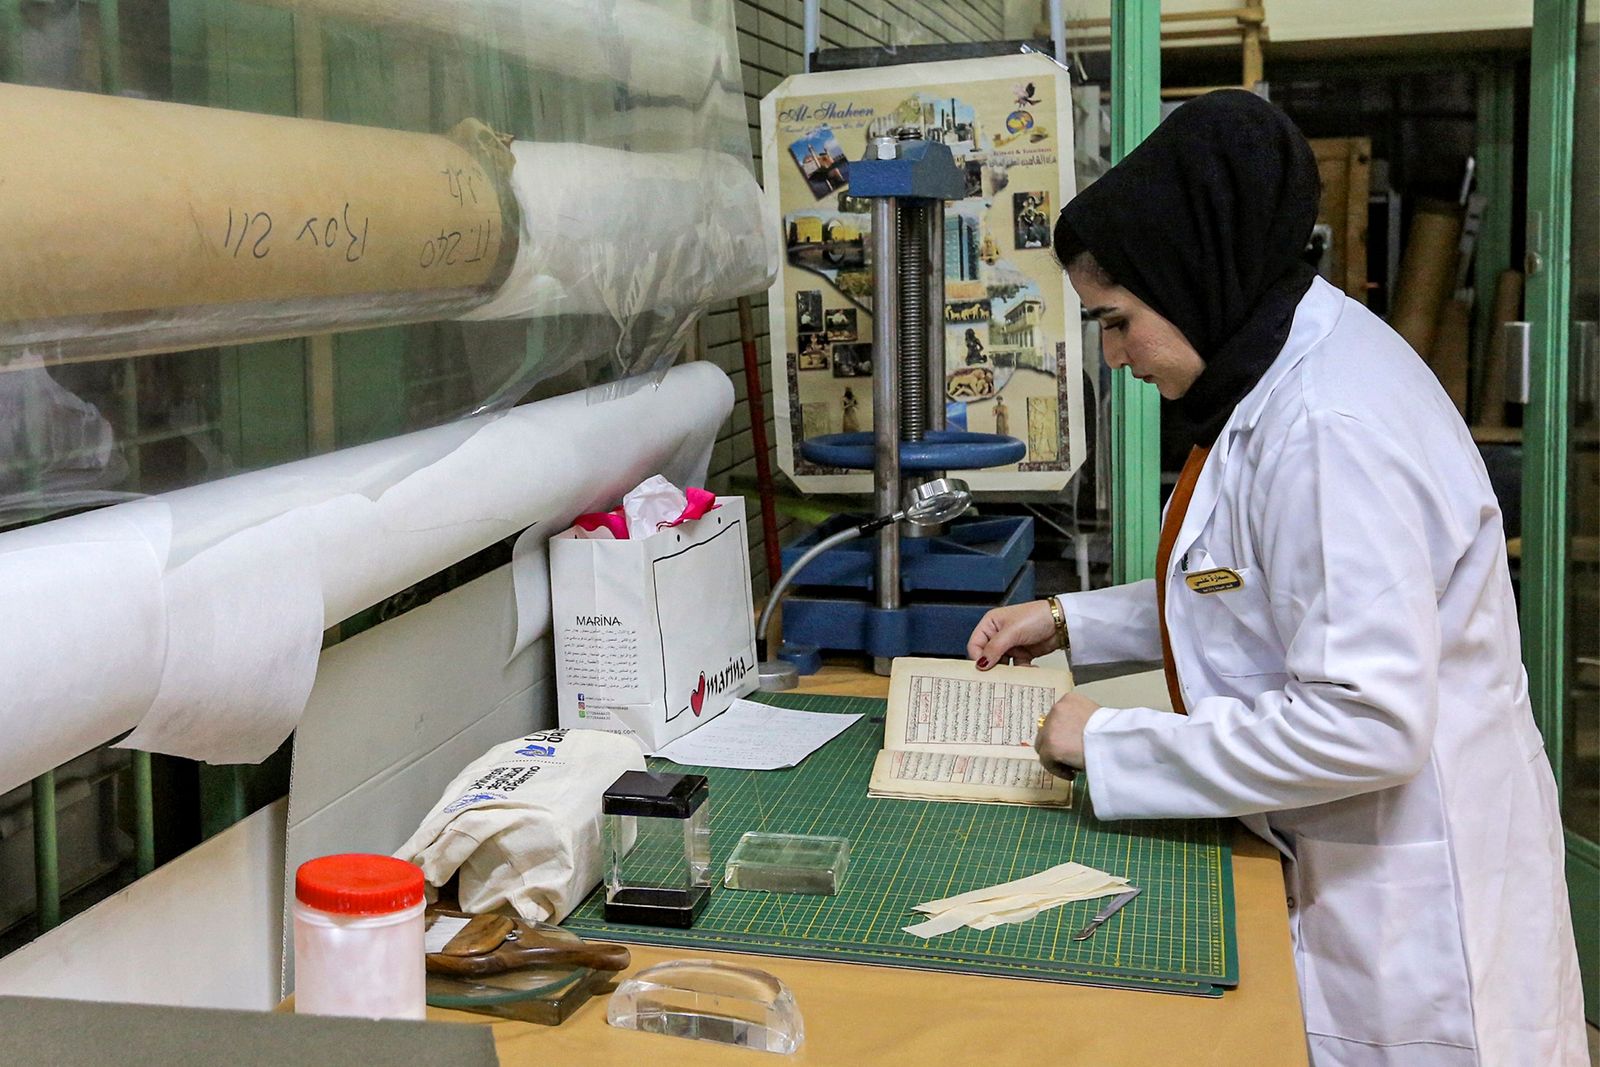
(710, 1002)
(788, 863)
(658, 848)
(535, 995)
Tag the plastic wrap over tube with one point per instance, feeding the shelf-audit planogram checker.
(607, 232)
(197, 616)
(153, 227)
(660, 49)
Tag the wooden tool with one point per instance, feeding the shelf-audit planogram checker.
(492, 944)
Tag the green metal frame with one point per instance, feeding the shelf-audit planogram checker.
(1135, 405)
(10, 40)
(110, 46)
(144, 815)
(1497, 131)
(1545, 427)
(46, 858)
(1546, 435)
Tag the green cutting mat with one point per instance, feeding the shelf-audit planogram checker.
(1178, 936)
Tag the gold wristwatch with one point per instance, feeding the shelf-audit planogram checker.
(1060, 618)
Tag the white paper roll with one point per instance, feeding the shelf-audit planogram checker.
(95, 621)
(608, 232)
(82, 634)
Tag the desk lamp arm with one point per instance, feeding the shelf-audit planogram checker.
(849, 533)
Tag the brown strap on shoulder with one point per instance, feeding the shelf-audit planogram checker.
(1177, 507)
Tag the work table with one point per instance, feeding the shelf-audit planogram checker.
(880, 1015)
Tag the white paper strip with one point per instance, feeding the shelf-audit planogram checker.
(1064, 874)
(251, 604)
(1015, 901)
(530, 579)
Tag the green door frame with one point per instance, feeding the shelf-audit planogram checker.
(1546, 443)
(1497, 135)
(10, 40)
(1135, 405)
(1544, 435)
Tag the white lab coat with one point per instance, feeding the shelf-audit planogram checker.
(1361, 703)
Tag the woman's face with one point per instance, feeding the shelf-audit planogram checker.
(1134, 336)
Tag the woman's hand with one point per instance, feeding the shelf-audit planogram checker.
(1060, 740)
(1022, 631)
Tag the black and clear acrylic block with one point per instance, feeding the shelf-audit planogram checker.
(658, 848)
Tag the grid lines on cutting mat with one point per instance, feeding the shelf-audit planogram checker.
(1177, 936)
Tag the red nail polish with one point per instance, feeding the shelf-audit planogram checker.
(982, 663)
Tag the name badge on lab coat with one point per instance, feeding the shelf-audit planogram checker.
(1216, 580)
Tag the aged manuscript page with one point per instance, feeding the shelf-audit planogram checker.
(953, 732)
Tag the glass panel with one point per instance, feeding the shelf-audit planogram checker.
(132, 365)
(1581, 801)
(1106, 518)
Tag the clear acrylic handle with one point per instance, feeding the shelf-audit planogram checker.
(709, 1001)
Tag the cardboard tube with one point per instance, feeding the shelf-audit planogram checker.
(1427, 275)
(1492, 392)
(139, 226)
(1449, 356)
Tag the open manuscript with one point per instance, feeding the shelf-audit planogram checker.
(953, 732)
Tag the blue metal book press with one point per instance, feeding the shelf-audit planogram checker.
(913, 589)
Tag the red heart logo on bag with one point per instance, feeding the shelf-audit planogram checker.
(697, 699)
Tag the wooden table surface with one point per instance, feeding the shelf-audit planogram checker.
(859, 1015)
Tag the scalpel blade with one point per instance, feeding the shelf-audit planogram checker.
(1112, 907)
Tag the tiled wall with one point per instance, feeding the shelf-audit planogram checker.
(770, 44)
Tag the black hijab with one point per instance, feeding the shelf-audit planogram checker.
(1207, 221)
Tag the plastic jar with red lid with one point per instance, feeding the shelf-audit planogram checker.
(358, 937)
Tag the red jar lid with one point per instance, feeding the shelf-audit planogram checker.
(358, 884)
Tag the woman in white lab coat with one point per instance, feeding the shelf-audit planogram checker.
(1334, 611)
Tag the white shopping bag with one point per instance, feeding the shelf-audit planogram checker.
(654, 636)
